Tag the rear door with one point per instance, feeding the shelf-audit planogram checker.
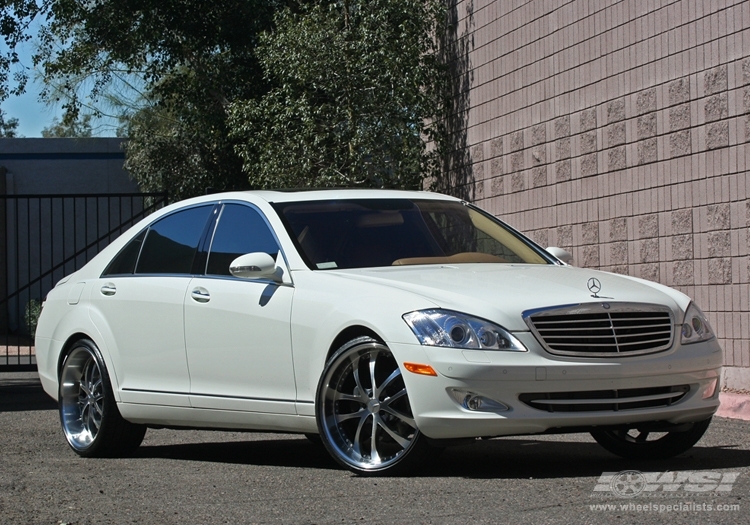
(138, 305)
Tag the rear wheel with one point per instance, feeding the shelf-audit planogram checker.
(88, 413)
(638, 443)
(363, 412)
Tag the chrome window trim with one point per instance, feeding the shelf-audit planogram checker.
(216, 204)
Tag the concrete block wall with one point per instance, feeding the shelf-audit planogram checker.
(618, 130)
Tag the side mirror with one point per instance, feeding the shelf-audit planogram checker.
(257, 265)
(563, 255)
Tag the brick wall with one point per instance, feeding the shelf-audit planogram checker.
(616, 130)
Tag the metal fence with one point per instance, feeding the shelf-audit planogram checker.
(46, 238)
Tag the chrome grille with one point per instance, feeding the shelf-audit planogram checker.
(608, 400)
(603, 329)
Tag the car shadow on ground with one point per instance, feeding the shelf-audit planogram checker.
(515, 458)
(507, 458)
(21, 392)
(282, 452)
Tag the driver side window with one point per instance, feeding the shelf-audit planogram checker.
(240, 230)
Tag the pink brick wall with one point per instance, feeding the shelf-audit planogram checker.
(618, 130)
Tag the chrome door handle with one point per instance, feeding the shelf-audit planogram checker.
(200, 295)
(109, 289)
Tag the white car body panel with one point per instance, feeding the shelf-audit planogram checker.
(505, 377)
(500, 291)
(325, 304)
(244, 360)
(183, 417)
(150, 362)
(251, 357)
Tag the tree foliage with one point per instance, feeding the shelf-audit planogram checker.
(168, 150)
(80, 128)
(8, 127)
(355, 84)
(183, 51)
(15, 18)
(184, 60)
(293, 93)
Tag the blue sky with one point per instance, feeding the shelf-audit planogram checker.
(32, 114)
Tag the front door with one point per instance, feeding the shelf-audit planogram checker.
(237, 331)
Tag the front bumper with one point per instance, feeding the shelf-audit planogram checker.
(504, 377)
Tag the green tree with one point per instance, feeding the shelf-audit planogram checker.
(80, 128)
(169, 150)
(9, 127)
(295, 93)
(15, 18)
(357, 83)
(180, 62)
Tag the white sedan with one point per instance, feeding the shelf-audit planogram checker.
(388, 323)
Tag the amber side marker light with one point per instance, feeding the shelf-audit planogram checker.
(416, 368)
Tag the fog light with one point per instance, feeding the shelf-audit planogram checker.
(473, 402)
(710, 389)
(476, 402)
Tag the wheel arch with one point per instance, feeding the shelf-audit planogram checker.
(95, 337)
(66, 347)
(350, 333)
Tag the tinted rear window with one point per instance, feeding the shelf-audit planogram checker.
(171, 242)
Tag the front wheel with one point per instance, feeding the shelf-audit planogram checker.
(363, 412)
(88, 413)
(642, 444)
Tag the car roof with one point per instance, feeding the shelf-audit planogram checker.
(298, 195)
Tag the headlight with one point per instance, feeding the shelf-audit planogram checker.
(695, 327)
(457, 330)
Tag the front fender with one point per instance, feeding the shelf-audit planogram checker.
(320, 312)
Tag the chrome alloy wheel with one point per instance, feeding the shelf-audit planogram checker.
(82, 394)
(364, 415)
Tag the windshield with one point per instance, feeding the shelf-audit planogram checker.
(361, 233)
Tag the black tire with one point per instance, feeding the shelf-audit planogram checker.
(90, 420)
(363, 412)
(635, 444)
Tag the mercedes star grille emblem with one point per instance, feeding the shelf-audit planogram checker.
(594, 286)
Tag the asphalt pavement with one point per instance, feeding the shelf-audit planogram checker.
(197, 477)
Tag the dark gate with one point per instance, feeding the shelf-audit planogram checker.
(46, 238)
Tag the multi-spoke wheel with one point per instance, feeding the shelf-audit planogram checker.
(90, 420)
(363, 411)
(638, 443)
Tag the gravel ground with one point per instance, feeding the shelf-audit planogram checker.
(195, 477)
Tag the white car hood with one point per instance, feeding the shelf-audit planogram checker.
(502, 292)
